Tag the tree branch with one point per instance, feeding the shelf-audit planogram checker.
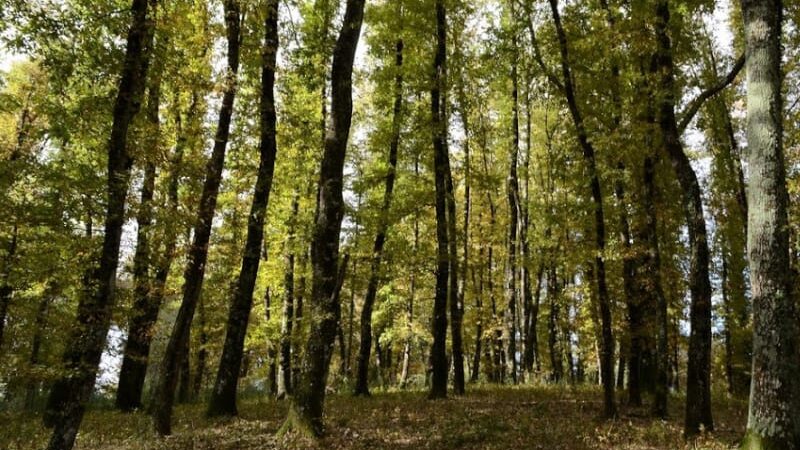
(694, 105)
(537, 54)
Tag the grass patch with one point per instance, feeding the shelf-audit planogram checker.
(541, 417)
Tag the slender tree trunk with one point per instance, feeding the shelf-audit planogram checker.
(476, 357)
(698, 386)
(512, 189)
(287, 316)
(440, 155)
(137, 347)
(772, 420)
(40, 324)
(653, 265)
(362, 384)
(453, 299)
(298, 333)
(305, 413)
(352, 316)
(6, 289)
(553, 293)
(198, 252)
(411, 297)
(223, 396)
(607, 347)
(202, 351)
(68, 397)
(532, 338)
(272, 354)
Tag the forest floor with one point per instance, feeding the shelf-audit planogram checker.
(486, 418)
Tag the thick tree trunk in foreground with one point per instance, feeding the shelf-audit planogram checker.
(607, 342)
(223, 397)
(772, 422)
(68, 397)
(198, 252)
(698, 384)
(305, 412)
(362, 385)
(438, 357)
(137, 347)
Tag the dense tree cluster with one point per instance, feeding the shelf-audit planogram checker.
(205, 199)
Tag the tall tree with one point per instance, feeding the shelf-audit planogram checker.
(137, 347)
(772, 421)
(223, 397)
(305, 412)
(512, 193)
(362, 386)
(198, 251)
(607, 342)
(698, 378)
(67, 401)
(441, 167)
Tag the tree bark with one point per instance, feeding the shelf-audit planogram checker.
(440, 164)
(305, 413)
(223, 396)
(607, 343)
(512, 192)
(287, 314)
(6, 289)
(198, 252)
(772, 421)
(698, 384)
(362, 384)
(68, 397)
(144, 313)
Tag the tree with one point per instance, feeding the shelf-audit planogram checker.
(607, 343)
(441, 167)
(67, 401)
(362, 386)
(772, 422)
(198, 251)
(137, 347)
(305, 412)
(223, 398)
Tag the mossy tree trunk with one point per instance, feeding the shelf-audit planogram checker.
(772, 421)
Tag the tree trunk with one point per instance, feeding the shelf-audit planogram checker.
(223, 396)
(68, 397)
(607, 343)
(440, 164)
(198, 252)
(287, 316)
(772, 420)
(556, 360)
(144, 313)
(305, 413)
(202, 352)
(6, 289)
(40, 324)
(653, 265)
(512, 190)
(362, 360)
(698, 380)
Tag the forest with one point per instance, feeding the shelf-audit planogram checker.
(397, 224)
